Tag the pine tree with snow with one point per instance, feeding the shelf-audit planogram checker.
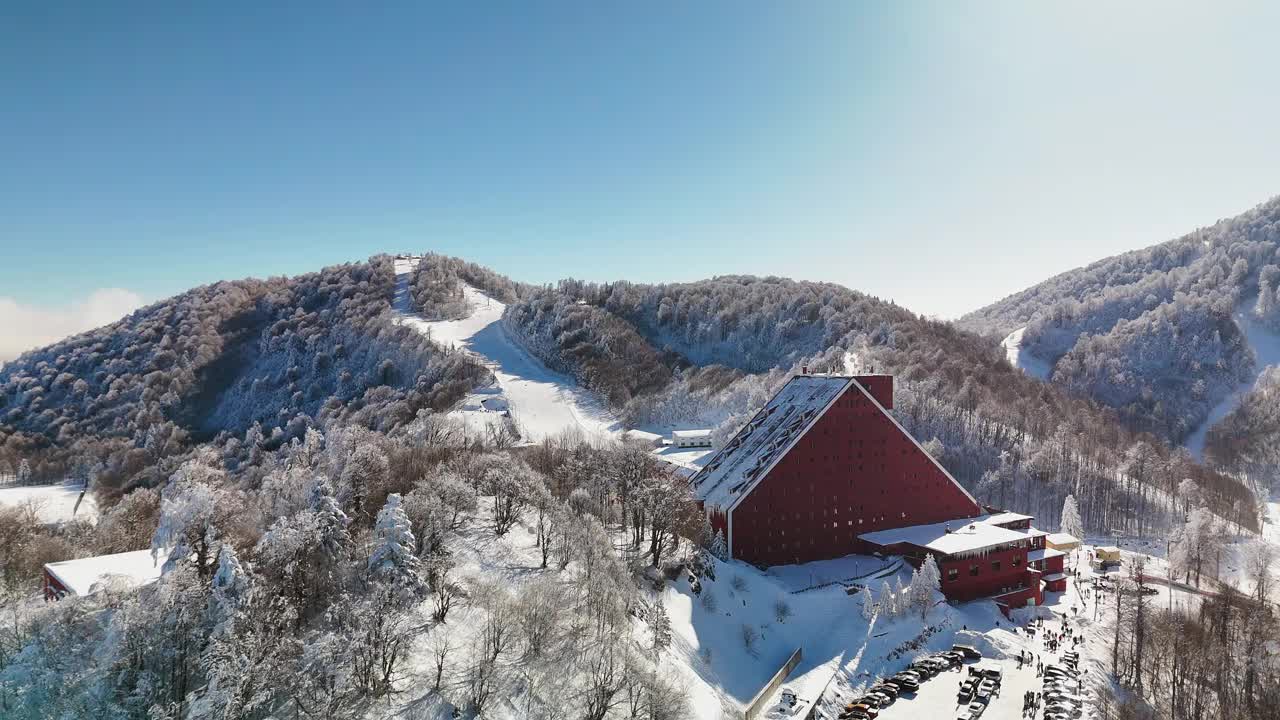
(1268, 280)
(719, 549)
(1071, 523)
(330, 520)
(926, 584)
(868, 604)
(660, 627)
(230, 588)
(888, 600)
(392, 558)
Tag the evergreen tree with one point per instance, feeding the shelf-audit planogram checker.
(392, 558)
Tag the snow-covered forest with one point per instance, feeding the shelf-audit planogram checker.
(1151, 332)
(262, 358)
(338, 545)
(1016, 442)
(312, 579)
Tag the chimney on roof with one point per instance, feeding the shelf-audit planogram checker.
(879, 387)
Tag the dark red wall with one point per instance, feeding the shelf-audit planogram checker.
(854, 472)
(988, 581)
(880, 387)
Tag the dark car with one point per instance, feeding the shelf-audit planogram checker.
(924, 668)
(906, 683)
(886, 689)
(968, 651)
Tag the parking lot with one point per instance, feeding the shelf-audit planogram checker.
(936, 699)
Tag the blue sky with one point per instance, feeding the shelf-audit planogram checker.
(938, 154)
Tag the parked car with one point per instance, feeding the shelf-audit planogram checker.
(970, 652)
(995, 672)
(886, 689)
(875, 700)
(976, 709)
(1062, 708)
(923, 669)
(965, 693)
(909, 684)
(956, 659)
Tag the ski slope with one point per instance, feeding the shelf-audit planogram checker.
(541, 402)
(1266, 346)
(1022, 358)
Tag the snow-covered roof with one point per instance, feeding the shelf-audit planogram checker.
(691, 434)
(746, 459)
(948, 538)
(1109, 549)
(1054, 577)
(1045, 554)
(133, 568)
(1004, 518)
(1061, 538)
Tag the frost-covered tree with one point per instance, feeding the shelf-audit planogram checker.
(230, 587)
(192, 507)
(868, 604)
(365, 472)
(392, 558)
(719, 549)
(659, 627)
(1071, 523)
(888, 599)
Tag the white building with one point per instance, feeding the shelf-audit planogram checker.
(691, 438)
(83, 576)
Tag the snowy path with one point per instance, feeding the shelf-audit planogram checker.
(1266, 344)
(1022, 358)
(543, 403)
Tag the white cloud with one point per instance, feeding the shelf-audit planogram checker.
(23, 327)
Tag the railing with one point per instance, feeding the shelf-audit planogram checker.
(757, 704)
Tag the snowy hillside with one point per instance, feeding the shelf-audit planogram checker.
(1022, 358)
(542, 403)
(52, 503)
(1265, 344)
(1149, 332)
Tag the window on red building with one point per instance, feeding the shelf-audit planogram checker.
(953, 574)
(973, 570)
(995, 566)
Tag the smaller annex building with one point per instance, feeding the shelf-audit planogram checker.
(82, 577)
(1063, 541)
(999, 556)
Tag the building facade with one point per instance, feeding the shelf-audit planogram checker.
(824, 469)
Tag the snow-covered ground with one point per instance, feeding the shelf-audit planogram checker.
(1022, 358)
(543, 403)
(1266, 346)
(52, 503)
